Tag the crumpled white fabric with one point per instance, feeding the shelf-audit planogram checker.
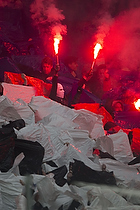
(122, 149)
(3, 122)
(10, 188)
(15, 168)
(124, 174)
(91, 122)
(53, 139)
(72, 137)
(79, 194)
(24, 111)
(62, 199)
(70, 153)
(75, 135)
(97, 131)
(11, 191)
(21, 202)
(44, 106)
(105, 144)
(56, 120)
(7, 110)
(82, 141)
(133, 188)
(37, 132)
(132, 207)
(47, 168)
(103, 197)
(48, 197)
(14, 92)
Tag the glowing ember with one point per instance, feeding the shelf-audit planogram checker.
(137, 104)
(96, 50)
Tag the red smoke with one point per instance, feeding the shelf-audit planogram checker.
(123, 40)
(48, 19)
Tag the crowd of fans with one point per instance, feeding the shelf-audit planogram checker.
(117, 93)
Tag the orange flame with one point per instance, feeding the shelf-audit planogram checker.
(57, 39)
(137, 104)
(56, 43)
(96, 50)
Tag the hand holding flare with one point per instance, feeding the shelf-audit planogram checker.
(96, 51)
(56, 44)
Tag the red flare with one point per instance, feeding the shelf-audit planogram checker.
(97, 48)
(56, 43)
(137, 104)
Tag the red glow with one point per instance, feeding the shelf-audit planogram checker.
(137, 104)
(30, 39)
(97, 48)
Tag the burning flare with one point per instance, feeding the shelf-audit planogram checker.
(137, 104)
(56, 43)
(57, 39)
(96, 50)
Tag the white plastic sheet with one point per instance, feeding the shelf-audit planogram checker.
(124, 174)
(21, 202)
(44, 106)
(10, 187)
(70, 153)
(91, 122)
(82, 141)
(7, 110)
(68, 134)
(37, 132)
(58, 121)
(105, 144)
(103, 197)
(122, 149)
(24, 111)
(49, 197)
(14, 92)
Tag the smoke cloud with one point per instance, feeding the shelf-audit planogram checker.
(104, 20)
(130, 31)
(123, 39)
(48, 19)
(103, 29)
(46, 14)
(120, 34)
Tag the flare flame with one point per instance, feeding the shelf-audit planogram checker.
(56, 43)
(57, 39)
(137, 104)
(97, 48)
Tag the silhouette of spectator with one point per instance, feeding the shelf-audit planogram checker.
(100, 81)
(71, 63)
